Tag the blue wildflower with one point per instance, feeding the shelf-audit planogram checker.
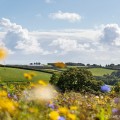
(51, 106)
(105, 88)
(61, 118)
(116, 100)
(9, 95)
(15, 97)
(114, 110)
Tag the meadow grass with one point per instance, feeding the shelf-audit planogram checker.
(17, 75)
(95, 71)
(41, 101)
(100, 71)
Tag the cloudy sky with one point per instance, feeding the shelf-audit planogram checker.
(86, 31)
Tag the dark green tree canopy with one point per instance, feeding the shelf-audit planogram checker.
(77, 79)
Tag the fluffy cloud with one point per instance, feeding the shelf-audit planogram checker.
(111, 35)
(18, 38)
(68, 45)
(99, 45)
(71, 17)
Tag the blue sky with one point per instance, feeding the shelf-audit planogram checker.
(33, 14)
(60, 30)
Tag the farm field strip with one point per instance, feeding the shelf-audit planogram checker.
(15, 74)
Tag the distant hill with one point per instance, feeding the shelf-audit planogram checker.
(100, 71)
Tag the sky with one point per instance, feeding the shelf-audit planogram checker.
(85, 31)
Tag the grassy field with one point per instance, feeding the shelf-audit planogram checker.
(95, 71)
(14, 74)
(100, 71)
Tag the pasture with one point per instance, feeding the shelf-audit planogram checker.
(95, 71)
(17, 75)
(100, 71)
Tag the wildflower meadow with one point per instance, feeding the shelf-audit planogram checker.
(41, 100)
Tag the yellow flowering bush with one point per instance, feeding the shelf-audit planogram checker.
(60, 64)
(3, 53)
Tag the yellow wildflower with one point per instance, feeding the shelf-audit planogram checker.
(8, 105)
(63, 110)
(3, 93)
(3, 53)
(32, 85)
(54, 115)
(73, 108)
(72, 116)
(41, 82)
(27, 76)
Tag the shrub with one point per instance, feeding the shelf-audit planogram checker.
(60, 65)
(54, 78)
(77, 79)
(117, 87)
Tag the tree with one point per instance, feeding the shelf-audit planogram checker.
(60, 64)
(78, 79)
(54, 78)
(117, 87)
(31, 63)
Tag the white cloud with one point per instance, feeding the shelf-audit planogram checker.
(71, 17)
(99, 45)
(68, 45)
(117, 41)
(18, 38)
(110, 33)
(65, 44)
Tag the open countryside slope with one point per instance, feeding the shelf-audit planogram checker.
(17, 75)
(100, 71)
(14, 74)
(95, 71)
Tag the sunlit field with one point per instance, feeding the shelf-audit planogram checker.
(31, 95)
(100, 71)
(41, 101)
(16, 75)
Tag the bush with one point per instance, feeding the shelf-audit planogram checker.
(77, 79)
(111, 79)
(60, 65)
(54, 78)
(117, 87)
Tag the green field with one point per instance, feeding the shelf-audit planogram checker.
(100, 71)
(15, 74)
(95, 71)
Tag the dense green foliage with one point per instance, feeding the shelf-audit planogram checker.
(111, 79)
(54, 78)
(76, 79)
(117, 87)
